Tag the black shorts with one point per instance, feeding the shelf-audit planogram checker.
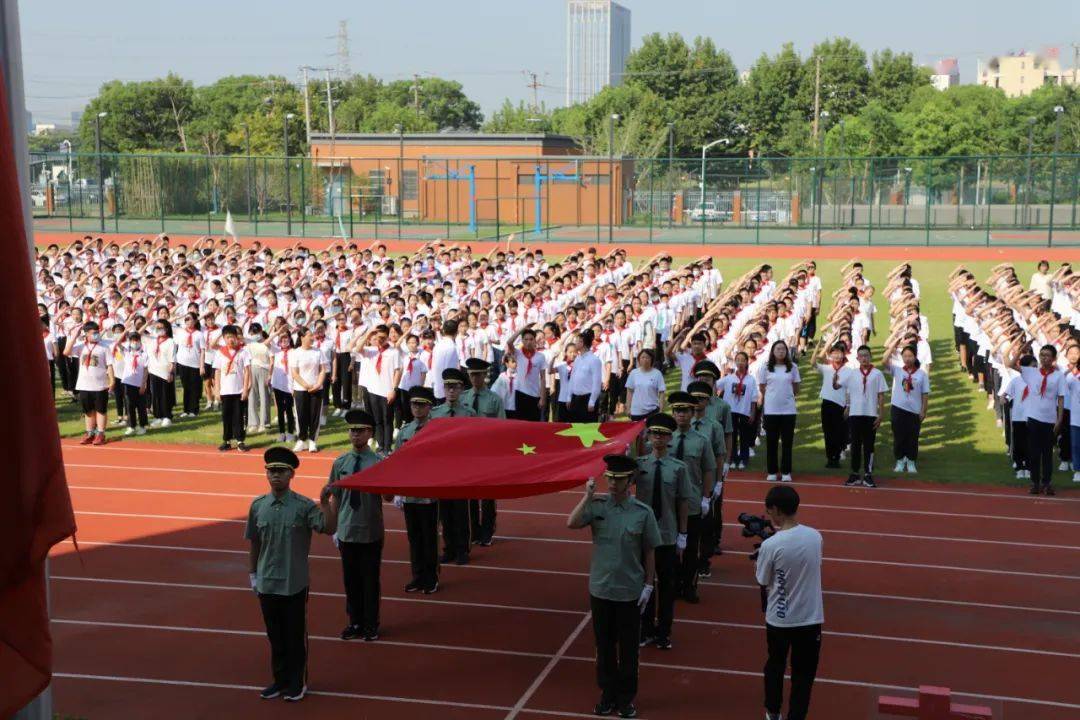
(207, 371)
(94, 401)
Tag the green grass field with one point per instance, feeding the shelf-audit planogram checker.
(960, 442)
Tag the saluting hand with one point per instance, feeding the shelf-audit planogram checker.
(590, 488)
(325, 494)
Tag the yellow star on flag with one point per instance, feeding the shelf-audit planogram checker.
(527, 449)
(587, 433)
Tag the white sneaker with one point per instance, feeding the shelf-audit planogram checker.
(289, 437)
(312, 447)
(299, 446)
(1064, 466)
(130, 431)
(752, 453)
(785, 478)
(770, 478)
(140, 431)
(1019, 474)
(1076, 476)
(119, 421)
(911, 467)
(322, 421)
(999, 423)
(155, 423)
(990, 403)
(900, 464)
(1027, 474)
(166, 422)
(339, 412)
(251, 429)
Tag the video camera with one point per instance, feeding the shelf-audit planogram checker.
(756, 526)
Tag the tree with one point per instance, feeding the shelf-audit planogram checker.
(217, 107)
(512, 118)
(770, 102)
(145, 115)
(443, 102)
(893, 79)
(50, 141)
(844, 78)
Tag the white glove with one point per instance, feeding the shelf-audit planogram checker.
(646, 593)
(704, 506)
(717, 488)
(336, 542)
(724, 469)
(399, 502)
(680, 542)
(254, 580)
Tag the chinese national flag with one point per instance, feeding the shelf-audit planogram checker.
(485, 458)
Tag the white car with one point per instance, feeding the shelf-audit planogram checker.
(706, 212)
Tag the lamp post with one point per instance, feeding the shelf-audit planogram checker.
(401, 176)
(671, 171)
(821, 172)
(288, 181)
(907, 192)
(100, 169)
(614, 118)
(1058, 112)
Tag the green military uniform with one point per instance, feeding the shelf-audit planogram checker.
(719, 410)
(697, 453)
(359, 539)
(407, 431)
(675, 488)
(458, 409)
(282, 527)
(484, 403)
(711, 429)
(421, 519)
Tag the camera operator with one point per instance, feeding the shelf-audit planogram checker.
(789, 567)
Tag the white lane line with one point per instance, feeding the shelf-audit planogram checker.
(527, 695)
(857, 561)
(865, 533)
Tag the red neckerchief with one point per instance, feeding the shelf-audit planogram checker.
(528, 356)
(44, 334)
(1045, 374)
(740, 388)
(698, 358)
(378, 361)
(836, 374)
(134, 360)
(865, 374)
(431, 358)
(190, 335)
(408, 370)
(909, 382)
(230, 357)
(337, 340)
(569, 370)
(160, 341)
(89, 352)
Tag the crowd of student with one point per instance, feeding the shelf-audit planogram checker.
(1022, 348)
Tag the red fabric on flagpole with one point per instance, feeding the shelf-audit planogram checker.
(36, 512)
(489, 459)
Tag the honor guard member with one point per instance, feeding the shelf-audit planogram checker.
(454, 514)
(421, 514)
(719, 440)
(694, 449)
(624, 535)
(279, 527)
(359, 536)
(663, 483)
(718, 409)
(484, 403)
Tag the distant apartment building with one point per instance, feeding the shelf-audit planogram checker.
(1021, 73)
(946, 74)
(597, 45)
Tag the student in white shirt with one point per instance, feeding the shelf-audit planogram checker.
(1045, 409)
(585, 383)
(778, 383)
(739, 389)
(413, 373)
(1016, 392)
(645, 387)
(563, 369)
(190, 357)
(532, 392)
(258, 409)
(134, 382)
(1072, 396)
(833, 401)
(444, 355)
(504, 386)
(383, 378)
(341, 375)
(909, 400)
(308, 372)
(162, 366)
(281, 385)
(233, 382)
(865, 388)
(95, 368)
(789, 568)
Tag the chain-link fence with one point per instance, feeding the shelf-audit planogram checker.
(991, 200)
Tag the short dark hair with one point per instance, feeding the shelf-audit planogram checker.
(783, 498)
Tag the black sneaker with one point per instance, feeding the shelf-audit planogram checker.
(224, 446)
(446, 558)
(868, 481)
(691, 596)
(242, 447)
(462, 559)
(431, 589)
(413, 586)
(296, 695)
(270, 691)
(1049, 490)
(705, 572)
(1034, 490)
(646, 639)
(663, 643)
(628, 711)
(351, 632)
(604, 707)
(853, 480)
(487, 540)
(371, 636)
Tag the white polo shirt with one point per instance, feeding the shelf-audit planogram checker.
(779, 388)
(828, 392)
(1041, 404)
(383, 364)
(587, 378)
(232, 370)
(444, 355)
(730, 386)
(307, 364)
(95, 359)
(134, 367)
(863, 389)
(530, 371)
(189, 347)
(908, 388)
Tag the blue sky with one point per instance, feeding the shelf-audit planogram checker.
(70, 48)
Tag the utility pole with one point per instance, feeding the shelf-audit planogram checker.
(343, 68)
(817, 93)
(535, 85)
(307, 106)
(416, 94)
(329, 107)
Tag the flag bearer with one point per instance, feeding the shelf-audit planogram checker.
(484, 403)
(421, 514)
(454, 514)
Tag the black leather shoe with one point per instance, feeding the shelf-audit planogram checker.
(351, 632)
(852, 480)
(603, 708)
(413, 586)
(628, 711)
(270, 692)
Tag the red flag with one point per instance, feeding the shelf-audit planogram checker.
(486, 458)
(36, 512)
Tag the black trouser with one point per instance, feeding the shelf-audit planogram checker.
(660, 612)
(343, 385)
(1065, 436)
(63, 365)
(779, 430)
(119, 395)
(616, 626)
(285, 617)
(233, 424)
(804, 642)
(191, 380)
(402, 410)
(422, 527)
(360, 565)
(454, 515)
(863, 436)
(135, 403)
(577, 409)
(286, 418)
(528, 407)
(688, 568)
(161, 398)
(308, 410)
(614, 392)
(834, 428)
(905, 427)
(742, 438)
(715, 522)
(1019, 444)
(384, 428)
(1040, 438)
(482, 519)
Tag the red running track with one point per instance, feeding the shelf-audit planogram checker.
(966, 587)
